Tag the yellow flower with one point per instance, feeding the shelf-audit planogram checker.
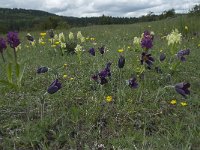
(109, 99)
(53, 46)
(64, 76)
(87, 38)
(92, 39)
(120, 50)
(129, 47)
(183, 104)
(43, 34)
(186, 27)
(161, 50)
(65, 65)
(57, 43)
(199, 45)
(173, 102)
(71, 78)
(42, 43)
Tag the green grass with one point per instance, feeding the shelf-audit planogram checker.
(78, 117)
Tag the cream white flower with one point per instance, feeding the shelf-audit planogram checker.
(174, 37)
(78, 48)
(71, 36)
(79, 35)
(136, 41)
(61, 38)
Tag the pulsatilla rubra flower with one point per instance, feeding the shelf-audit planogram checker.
(182, 88)
(121, 62)
(54, 87)
(148, 59)
(182, 53)
(42, 70)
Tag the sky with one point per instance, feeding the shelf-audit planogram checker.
(120, 8)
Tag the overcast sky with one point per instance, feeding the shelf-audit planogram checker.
(82, 8)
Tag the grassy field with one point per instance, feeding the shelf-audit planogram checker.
(79, 116)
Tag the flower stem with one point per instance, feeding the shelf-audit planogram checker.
(15, 54)
(3, 57)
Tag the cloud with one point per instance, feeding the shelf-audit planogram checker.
(82, 8)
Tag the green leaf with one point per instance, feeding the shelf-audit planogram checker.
(7, 83)
(17, 69)
(9, 72)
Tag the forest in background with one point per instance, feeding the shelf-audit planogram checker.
(26, 20)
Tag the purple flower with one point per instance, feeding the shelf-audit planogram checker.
(146, 43)
(182, 88)
(162, 57)
(182, 53)
(147, 40)
(132, 83)
(2, 45)
(121, 62)
(92, 51)
(42, 70)
(54, 87)
(102, 50)
(147, 58)
(12, 39)
(101, 77)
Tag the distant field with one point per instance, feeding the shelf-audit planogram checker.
(83, 114)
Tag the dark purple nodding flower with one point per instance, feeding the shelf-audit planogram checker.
(182, 53)
(92, 51)
(42, 70)
(54, 87)
(132, 83)
(162, 56)
(182, 88)
(102, 50)
(13, 39)
(29, 38)
(147, 58)
(101, 76)
(121, 62)
(2, 45)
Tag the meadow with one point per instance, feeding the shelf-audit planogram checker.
(121, 98)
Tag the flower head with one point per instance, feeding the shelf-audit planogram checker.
(102, 50)
(182, 88)
(61, 37)
(174, 37)
(173, 102)
(109, 99)
(132, 83)
(162, 56)
(147, 58)
(121, 61)
(43, 34)
(78, 48)
(42, 70)
(29, 37)
(183, 104)
(71, 36)
(2, 45)
(54, 87)
(51, 33)
(182, 53)
(120, 50)
(92, 51)
(13, 39)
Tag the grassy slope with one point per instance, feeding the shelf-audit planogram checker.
(76, 117)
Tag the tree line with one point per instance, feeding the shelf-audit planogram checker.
(22, 19)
